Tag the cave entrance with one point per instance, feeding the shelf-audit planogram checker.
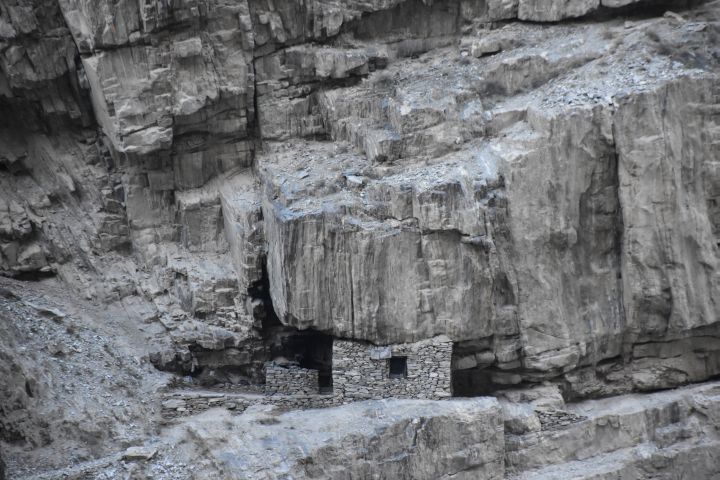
(313, 350)
(474, 382)
(473, 368)
(309, 348)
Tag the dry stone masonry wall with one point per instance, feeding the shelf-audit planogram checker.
(363, 371)
(290, 380)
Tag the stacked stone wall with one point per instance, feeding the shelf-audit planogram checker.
(180, 404)
(290, 380)
(359, 373)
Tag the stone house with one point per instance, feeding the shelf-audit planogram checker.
(363, 371)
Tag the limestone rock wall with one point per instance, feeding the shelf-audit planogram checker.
(527, 435)
(391, 439)
(534, 180)
(543, 194)
(492, 204)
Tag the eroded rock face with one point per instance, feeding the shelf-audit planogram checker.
(667, 159)
(541, 190)
(498, 200)
(661, 435)
(490, 204)
(651, 436)
(383, 439)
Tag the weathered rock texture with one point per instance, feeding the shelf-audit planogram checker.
(662, 435)
(524, 435)
(536, 180)
(510, 203)
(498, 200)
(378, 439)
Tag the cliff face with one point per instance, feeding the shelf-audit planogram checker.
(537, 180)
(662, 435)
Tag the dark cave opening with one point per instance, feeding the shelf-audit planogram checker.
(474, 368)
(478, 382)
(28, 389)
(309, 348)
(312, 350)
(473, 382)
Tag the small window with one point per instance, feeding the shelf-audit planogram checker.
(398, 367)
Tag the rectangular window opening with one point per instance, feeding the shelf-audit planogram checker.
(398, 367)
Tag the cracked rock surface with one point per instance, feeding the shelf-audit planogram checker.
(184, 184)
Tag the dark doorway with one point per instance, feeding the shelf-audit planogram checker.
(312, 349)
(398, 367)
